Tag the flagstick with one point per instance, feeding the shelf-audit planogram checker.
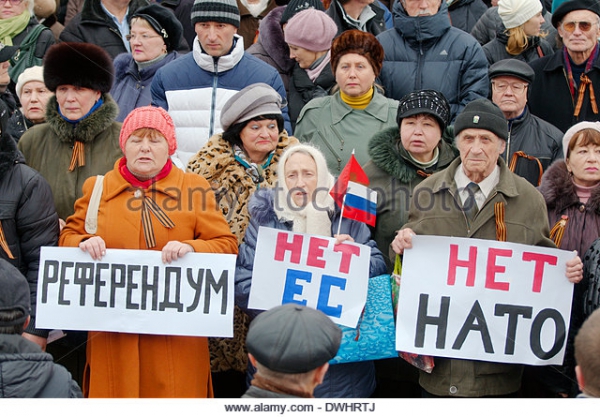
(341, 215)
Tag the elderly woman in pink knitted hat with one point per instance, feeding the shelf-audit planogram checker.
(571, 188)
(309, 35)
(147, 203)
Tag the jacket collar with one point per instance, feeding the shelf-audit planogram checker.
(506, 185)
(225, 62)
(377, 108)
(270, 36)
(86, 130)
(555, 62)
(392, 158)
(421, 29)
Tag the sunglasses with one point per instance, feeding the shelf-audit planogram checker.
(583, 26)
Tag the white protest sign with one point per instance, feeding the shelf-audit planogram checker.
(310, 270)
(132, 291)
(484, 300)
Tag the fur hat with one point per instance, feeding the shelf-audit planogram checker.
(30, 74)
(425, 102)
(150, 117)
(251, 101)
(573, 130)
(513, 68)
(222, 11)
(15, 293)
(311, 29)
(79, 64)
(293, 339)
(164, 22)
(357, 42)
(296, 6)
(516, 12)
(482, 114)
(572, 5)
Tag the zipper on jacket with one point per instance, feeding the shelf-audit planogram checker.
(211, 126)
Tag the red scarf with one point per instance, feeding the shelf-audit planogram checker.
(145, 184)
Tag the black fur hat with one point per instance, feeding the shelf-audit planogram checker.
(79, 64)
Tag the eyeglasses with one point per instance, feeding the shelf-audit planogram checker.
(143, 37)
(583, 26)
(13, 2)
(516, 88)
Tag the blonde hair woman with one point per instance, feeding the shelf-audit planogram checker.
(521, 37)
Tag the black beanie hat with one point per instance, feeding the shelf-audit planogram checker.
(164, 22)
(425, 102)
(296, 6)
(79, 64)
(572, 5)
(482, 114)
(222, 11)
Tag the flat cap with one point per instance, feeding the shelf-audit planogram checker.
(14, 293)
(252, 101)
(512, 68)
(293, 339)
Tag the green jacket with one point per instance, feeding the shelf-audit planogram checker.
(337, 129)
(48, 148)
(526, 222)
(393, 175)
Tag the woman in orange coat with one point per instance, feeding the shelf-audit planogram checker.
(184, 219)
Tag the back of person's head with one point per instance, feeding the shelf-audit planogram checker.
(293, 339)
(587, 355)
(15, 302)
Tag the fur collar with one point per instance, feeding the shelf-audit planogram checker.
(87, 129)
(395, 161)
(9, 155)
(270, 36)
(559, 191)
(261, 206)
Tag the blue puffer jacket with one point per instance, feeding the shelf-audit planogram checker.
(351, 380)
(132, 86)
(428, 53)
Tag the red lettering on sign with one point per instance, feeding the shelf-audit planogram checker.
(492, 269)
(538, 273)
(470, 263)
(295, 247)
(347, 252)
(315, 252)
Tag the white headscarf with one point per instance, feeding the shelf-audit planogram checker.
(314, 217)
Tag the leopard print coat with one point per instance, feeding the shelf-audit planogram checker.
(233, 188)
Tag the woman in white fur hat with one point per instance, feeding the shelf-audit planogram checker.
(521, 37)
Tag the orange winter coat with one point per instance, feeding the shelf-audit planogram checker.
(139, 365)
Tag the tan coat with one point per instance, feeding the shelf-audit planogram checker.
(135, 365)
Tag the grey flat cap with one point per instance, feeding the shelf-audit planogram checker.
(254, 100)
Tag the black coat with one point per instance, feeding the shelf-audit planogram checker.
(536, 138)
(550, 97)
(465, 13)
(93, 25)
(374, 26)
(302, 89)
(495, 50)
(27, 214)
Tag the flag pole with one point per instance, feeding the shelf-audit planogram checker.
(341, 215)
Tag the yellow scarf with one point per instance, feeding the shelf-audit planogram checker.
(11, 27)
(360, 102)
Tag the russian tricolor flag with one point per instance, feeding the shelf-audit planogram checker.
(350, 192)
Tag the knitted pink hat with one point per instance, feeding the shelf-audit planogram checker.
(311, 29)
(149, 117)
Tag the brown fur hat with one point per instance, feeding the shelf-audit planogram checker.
(79, 64)
(357, 42)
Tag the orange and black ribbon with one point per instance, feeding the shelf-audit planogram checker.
(4, 243)
(78, 156)
(150, 206)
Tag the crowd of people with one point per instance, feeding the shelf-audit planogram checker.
(259, 105)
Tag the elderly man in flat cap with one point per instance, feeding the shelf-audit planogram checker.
(533, 144)
(290, 346)
(478, 197)
(566, 89)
